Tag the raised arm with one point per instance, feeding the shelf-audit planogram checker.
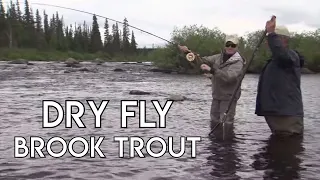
(279, 52)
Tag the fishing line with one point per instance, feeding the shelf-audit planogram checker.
(77, 10)
(190, 56)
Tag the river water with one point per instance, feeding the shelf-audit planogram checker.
(252, 154)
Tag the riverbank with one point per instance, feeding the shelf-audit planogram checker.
(73, 59)
(80, 65)
(18, 54)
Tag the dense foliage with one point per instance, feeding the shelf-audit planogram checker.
(29, 34)
(207, 41)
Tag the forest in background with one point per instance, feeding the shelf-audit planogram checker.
(37, 35)
(34, 35)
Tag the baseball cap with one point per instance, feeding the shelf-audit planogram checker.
(233, 38)
(282, 30)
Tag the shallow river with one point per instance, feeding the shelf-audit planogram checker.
(250, 155)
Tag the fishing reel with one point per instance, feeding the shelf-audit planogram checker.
(190, 57)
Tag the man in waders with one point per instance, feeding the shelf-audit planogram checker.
(225, 68)
(279, 97)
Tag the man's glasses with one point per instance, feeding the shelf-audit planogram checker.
(231, 45)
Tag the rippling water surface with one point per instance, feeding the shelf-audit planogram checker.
(251, 155)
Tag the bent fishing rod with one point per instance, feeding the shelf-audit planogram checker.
(86, 12)
(189, 56)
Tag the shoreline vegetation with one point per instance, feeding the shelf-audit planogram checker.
(30, 36)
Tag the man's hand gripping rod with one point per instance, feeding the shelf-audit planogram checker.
(224, 118)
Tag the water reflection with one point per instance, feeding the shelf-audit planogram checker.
(224, 157)
(280, 158)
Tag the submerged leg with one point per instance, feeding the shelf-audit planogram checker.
(285, 125)
(229, 122)
(214, 113)
(218, 108)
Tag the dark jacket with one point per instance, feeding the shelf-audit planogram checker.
(279, 91)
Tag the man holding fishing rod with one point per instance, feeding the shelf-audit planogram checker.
(279, 97)
(226, 68)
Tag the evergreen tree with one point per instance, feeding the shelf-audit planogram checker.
(11, 22)
(19, 13)
(133, 43)
(107, 37)
(125, 37)
(40, 38)
(95, 39)
(116, 38)
(46, 27)
(48, 32)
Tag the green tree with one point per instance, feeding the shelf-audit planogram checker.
(116, 38)
(40, 38)
(107, 37)
(125, 37)
(95, 43)
(133, 43)
(207, 41)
